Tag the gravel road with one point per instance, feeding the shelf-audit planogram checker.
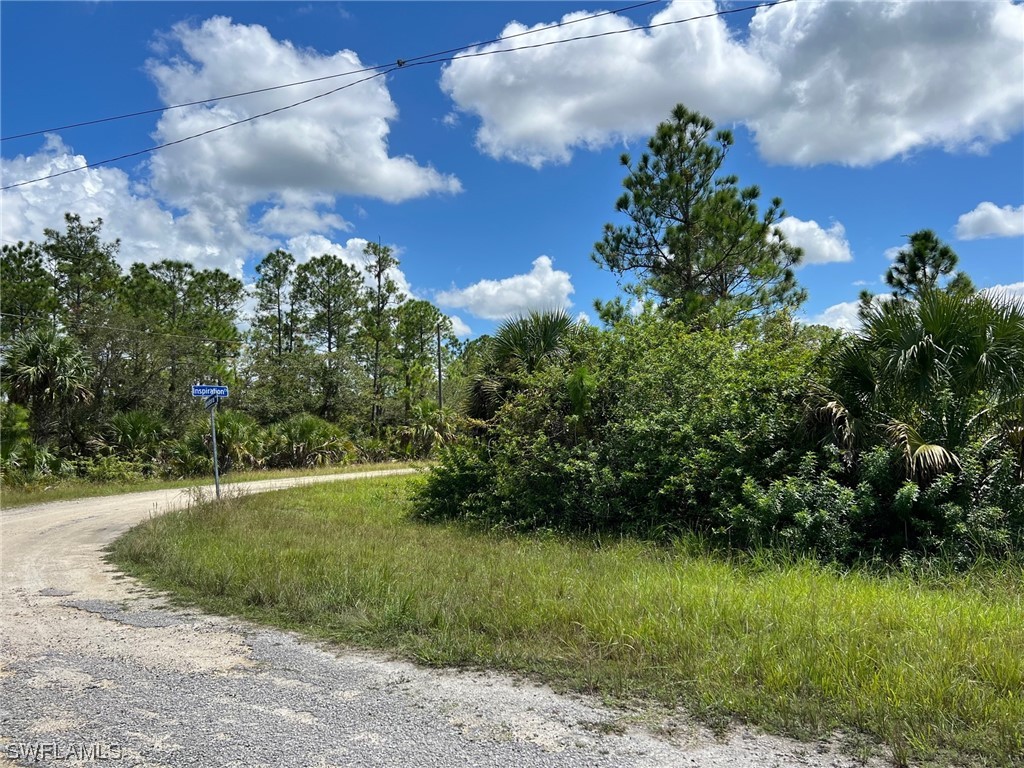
(94, 667)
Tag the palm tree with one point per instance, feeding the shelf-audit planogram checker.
(928, 376)
(521, 346)
(48, 373)
(138, 434)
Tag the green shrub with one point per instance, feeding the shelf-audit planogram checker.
(307, 441)
(649, 428)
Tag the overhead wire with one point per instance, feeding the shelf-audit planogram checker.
(401, 64)
(140, 113)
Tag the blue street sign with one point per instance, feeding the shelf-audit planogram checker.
(205, 390)
(211, 402)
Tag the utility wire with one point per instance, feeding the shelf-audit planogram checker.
(401, 64)
(195, 135)
(140, 113)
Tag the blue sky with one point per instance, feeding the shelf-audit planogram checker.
(493, 176)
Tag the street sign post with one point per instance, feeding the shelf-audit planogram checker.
(212, 393)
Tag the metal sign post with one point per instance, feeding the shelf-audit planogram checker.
(211, 406)
(212, 394)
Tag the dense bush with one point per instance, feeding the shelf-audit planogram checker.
(649, 428)
(654, 429)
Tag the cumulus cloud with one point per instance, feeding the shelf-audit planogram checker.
(842, 316)
(535, 106)
(541, 288)
(459, 327)
(231, 196)
(820, 246)
(148, 232)
(864, 82)
(989, 220)
(854, 82)
(335, 145)
(1011, 290)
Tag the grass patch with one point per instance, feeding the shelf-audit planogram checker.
(934, 668)
(65, 489)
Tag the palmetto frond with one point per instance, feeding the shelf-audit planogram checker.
(826, 408)
(524, 343)
(923, 460)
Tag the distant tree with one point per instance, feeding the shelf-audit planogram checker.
(920, 265)
(29, 295)
(329, 294)
(85, 271)
(379, 318)
(217, 300)
(696, 238)
(416, 349)
(273, 299)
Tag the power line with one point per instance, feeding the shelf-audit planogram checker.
(166, 144)
(401, 64)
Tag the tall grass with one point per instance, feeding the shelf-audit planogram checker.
(934, 668)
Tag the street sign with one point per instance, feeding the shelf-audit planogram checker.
(206, 390)
(211, 402)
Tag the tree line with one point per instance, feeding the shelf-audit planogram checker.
(99, 361)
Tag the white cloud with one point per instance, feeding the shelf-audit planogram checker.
(336, 145)
(231, 196)
(147, 231)
(852, 82)
(820, 246)
(583, 318)
(892, 253)
(541, 288)
(293, 214)
(459, 327)
(536, 106)
(989, 220)
(864, 82)
(842, 316)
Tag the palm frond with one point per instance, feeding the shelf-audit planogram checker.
(924, 461)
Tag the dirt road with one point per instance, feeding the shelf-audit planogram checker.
(97, 668)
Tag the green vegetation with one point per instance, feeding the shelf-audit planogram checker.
(712, 412)
(336, 366)
(931, 665)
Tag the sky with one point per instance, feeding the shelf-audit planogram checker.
(492, 176)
